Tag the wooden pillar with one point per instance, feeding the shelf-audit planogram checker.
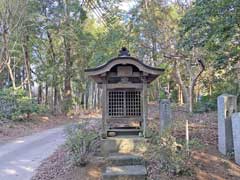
(104, 108)
(145, 106)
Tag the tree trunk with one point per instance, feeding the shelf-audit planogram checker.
(40, 94)
(85, 104)
(53, 84)
(67, 79)
(22, 77)
(90, 95)
(210, 89)
(68, 63)
(99, 98)
(180, 95)
(95, 96)
(6, 56)
(11, 73)
(27, 64)
(55, 99)
(180, 82)
(46, 94)
(190, 99)
(188, 93)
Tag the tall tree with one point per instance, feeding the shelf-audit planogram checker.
(215, 27)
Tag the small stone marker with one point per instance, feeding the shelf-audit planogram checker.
(236, 136)
(227, 104)
(165, 114)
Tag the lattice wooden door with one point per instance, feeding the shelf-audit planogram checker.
(124, 103)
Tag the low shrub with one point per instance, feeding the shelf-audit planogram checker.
(166, 154)
(15, 104)
(206, 104)
(81, 143)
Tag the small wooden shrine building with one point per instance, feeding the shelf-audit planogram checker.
(124, 81)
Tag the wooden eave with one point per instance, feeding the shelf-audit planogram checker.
(100, 71)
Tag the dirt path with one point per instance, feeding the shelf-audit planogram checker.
(20, 158)
(10, 130)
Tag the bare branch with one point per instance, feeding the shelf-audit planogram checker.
(202, 68)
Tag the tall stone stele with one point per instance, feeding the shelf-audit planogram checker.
(165, 114)
(236, 136)
(227, 104)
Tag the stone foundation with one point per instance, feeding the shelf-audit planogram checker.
(123, 145)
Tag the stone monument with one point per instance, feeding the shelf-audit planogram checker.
(236, 136)
(165, 114)
(227, 104)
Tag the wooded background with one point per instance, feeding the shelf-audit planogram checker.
(45, 45)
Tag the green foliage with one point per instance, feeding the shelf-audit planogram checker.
(27, 106)
(150, 30)
(81, 143)
(213, 25)
(21, 105)
(206, 104)
(162, 94)
(168, 155)
(174, 95)
(2, 115)
(67, 106)
(195, 144)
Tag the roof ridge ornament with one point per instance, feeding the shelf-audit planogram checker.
(123, 52)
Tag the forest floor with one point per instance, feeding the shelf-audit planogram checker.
(207, 163)
(10, 129)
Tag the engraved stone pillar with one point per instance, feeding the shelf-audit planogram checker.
(236, 136)
(227, 104)
(165, 114)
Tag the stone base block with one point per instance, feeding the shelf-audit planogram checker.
(126, 145)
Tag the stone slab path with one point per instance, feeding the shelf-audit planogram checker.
(125, 167)
(20, 158)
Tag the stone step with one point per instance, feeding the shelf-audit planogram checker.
(137, 172)
(123, 144)
(125, 160)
